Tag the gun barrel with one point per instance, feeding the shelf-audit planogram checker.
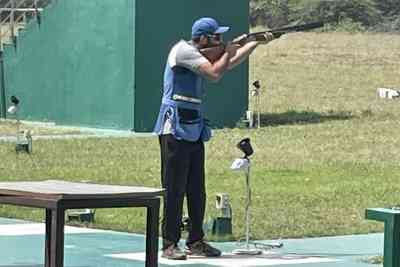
(297, 28)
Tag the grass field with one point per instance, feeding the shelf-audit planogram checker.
(327, 148)
(9, 127)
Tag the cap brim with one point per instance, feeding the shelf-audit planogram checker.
(222, 29)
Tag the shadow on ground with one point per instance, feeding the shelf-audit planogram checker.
(303, 117)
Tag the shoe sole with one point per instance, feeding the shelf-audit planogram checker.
(176, 258)
(202, 255)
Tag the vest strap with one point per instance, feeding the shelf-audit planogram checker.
(193, 100)
(181, 104)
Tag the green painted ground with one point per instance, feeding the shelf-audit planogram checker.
(94, 249)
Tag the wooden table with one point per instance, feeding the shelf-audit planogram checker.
(58, 196)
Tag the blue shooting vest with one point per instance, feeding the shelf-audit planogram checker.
(182, 105)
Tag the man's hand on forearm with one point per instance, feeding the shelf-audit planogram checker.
(214, 71)
(244, 52)
(264, 38)
(219, 67)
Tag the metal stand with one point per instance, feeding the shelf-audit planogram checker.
(259, 248)
(247, 250)
(244, 164)
(256, 92)
(23, 138)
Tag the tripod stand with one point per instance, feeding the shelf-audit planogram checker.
(244, 164)
(23, 138)
(247, 250)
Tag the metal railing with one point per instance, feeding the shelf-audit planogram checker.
(14, 14)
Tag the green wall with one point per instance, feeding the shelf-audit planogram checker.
(159, 24)
(100, 63)
(77, 68)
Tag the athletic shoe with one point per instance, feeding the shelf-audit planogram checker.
(173, 252)
(201, 248)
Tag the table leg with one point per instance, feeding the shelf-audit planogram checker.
(57, 238)
(152, 233)
(47, 238)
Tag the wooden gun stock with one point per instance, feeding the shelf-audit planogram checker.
(213, 53)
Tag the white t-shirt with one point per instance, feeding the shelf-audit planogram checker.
(186, 55)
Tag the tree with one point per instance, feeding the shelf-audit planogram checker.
(388, 8)
(270, 13)
(369, 14)
(362, 11)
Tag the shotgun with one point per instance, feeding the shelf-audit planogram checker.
(215, 52)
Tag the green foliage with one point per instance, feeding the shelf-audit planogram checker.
(362, 12)
(389, 24)
(269, 12)
(346, 25)
(388, 8)
(340, 15)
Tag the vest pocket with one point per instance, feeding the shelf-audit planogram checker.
(189, 124)
(188, 116)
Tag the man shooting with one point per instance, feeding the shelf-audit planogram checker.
(182, 129)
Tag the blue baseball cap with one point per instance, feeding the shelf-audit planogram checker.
(204, 26)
